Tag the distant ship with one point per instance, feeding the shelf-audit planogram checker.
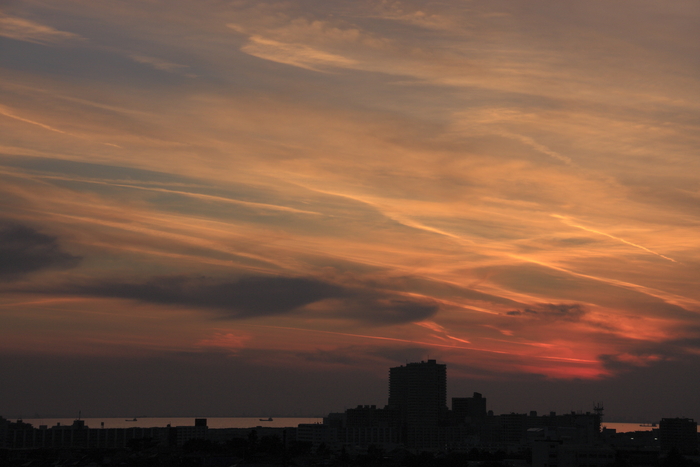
(132, 420)
(266, 419)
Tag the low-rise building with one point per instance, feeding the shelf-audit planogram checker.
(678, 433)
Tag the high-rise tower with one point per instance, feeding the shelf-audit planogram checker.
(418, 392)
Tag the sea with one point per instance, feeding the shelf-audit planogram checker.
(238, 422)
(150, 422)
(629, 427)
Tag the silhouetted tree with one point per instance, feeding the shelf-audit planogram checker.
(141, 444)
(300, 448)
(271, 445)
(456, 459)
(424, 459)
(375, 451)
(253, 440)
(474, 454)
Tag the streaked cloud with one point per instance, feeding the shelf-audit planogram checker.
(159, 64)
(22, 29)
(11, 114)
(294, 54)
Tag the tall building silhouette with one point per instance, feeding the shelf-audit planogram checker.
(469, 409)
(418, 392)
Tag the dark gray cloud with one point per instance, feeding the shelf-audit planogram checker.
(242, 298)
(24, 250)
(390, 310)
(575, 240)
(568, 312)
(262, 296)
(644, 354)
(436, 288)
(616, 363)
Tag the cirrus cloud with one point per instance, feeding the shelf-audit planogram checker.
(30, 31)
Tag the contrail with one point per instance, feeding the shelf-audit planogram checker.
(390, 214)
(250, 204)
(566, 221)
(5, 112)
(431, 344)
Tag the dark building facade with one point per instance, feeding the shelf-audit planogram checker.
(418, 397)
(678, 433)
(469, 410)
(418, 392)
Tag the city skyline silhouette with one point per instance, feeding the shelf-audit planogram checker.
(414, 426)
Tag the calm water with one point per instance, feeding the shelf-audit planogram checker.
(149, 422)
(627, 427)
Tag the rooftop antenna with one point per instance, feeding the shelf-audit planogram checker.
(598, 409)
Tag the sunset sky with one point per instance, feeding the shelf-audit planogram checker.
(257, 207)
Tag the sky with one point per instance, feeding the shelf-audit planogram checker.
(229, 208)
